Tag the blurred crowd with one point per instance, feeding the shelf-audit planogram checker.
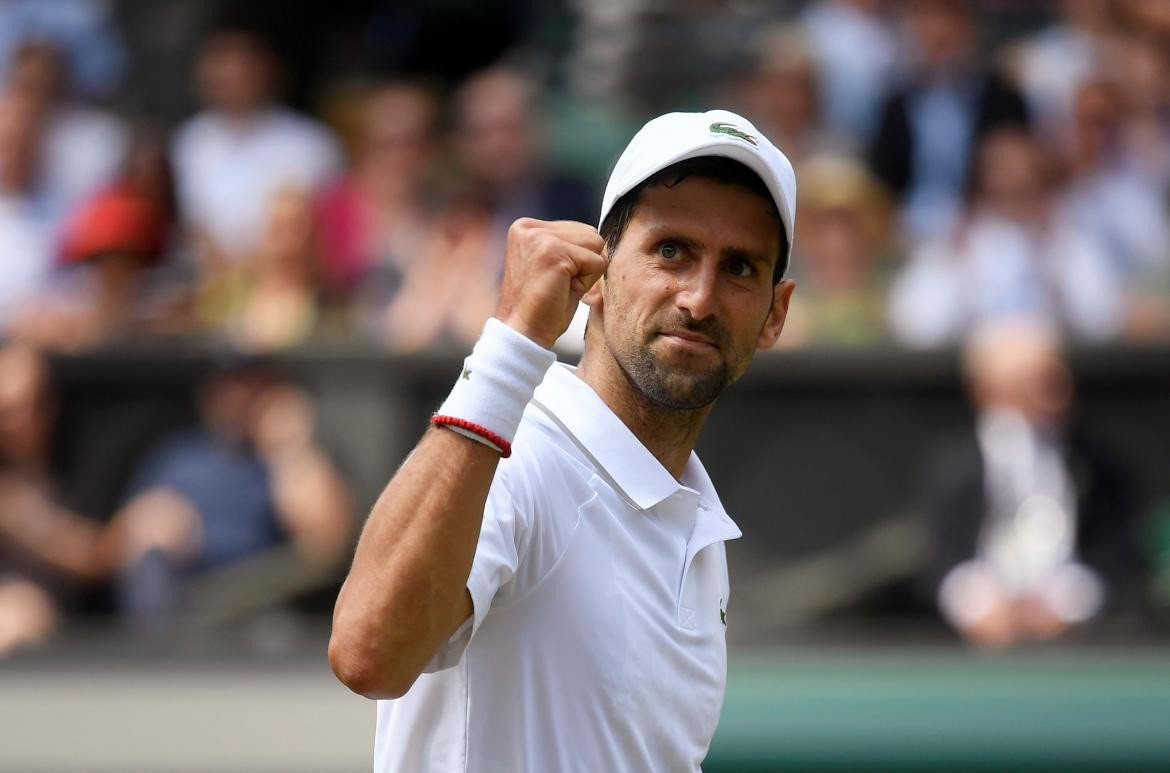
(944, 180)
(957, 174)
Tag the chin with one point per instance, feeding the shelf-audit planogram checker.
(684, 389)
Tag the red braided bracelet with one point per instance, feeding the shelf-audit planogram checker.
(504, 447)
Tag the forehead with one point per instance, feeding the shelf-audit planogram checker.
(720, 215)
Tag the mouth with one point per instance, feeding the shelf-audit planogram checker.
(689, 340)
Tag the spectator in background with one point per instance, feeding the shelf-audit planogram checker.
(250, 479)
(1052, 65)
(856, 52)
(780, 93)
(415, 259)
(497, 143)
(934, 119)
(450, 287)
(26, 230)
(234, 156)
(81, 148)
(1017, 251)
(48, 553)
(1120, 204)
(1145, 18)
(842, 235)
(1031, 520)
(84, 31)
(377, 219)
(1139, 76)
(109, 246)
(270, 299)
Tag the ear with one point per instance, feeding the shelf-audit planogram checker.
(775, 322)
(594, 295)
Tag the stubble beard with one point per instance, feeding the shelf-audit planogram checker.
(667, 386)
(672, 388)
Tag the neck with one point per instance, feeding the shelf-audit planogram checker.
(669, 434)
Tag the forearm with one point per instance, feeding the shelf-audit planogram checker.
(312, 504)
(35, 526)
(406, 591)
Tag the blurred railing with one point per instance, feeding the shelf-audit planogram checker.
(815, 453)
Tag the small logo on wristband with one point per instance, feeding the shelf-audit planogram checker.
(466, 374)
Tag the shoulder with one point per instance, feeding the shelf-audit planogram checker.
(295, 127)
(538, 492)
(195, 135)
(546, 465)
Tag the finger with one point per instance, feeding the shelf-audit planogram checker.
(578, 233)
(585, 261)
(581, 283)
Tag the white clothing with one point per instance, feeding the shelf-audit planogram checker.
(999, 268)
(856, 54)
(1124, 210)
(83, 150)
(228, 172)
(26, 257)
(1027, 546)
(1052, 67)
(599, 586)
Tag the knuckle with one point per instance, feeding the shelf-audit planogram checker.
(520, 225)
(546, 243)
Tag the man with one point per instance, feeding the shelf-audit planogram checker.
(565, 609)
(1032, 529)
(243, 148)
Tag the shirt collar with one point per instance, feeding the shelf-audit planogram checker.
(642, 479)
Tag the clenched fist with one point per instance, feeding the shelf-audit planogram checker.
(548, 266)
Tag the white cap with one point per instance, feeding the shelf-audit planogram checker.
(676, 137)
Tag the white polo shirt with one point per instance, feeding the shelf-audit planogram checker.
(599, 586)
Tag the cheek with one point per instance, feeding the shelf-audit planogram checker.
(750, 316)
(625, 303)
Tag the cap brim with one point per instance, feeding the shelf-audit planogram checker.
(736, 151)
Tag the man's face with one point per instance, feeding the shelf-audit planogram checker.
(688, 296)
(234, 73)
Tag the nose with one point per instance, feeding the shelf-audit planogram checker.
(697, 291)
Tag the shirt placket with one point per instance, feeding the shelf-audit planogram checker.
(711, 526)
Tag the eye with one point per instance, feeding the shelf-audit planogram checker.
(669, 250)
(740, 268)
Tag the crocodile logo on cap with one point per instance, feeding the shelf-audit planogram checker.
(720, 127)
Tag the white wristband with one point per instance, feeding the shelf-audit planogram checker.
(496, 385)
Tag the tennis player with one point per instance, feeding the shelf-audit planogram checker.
(543, 584)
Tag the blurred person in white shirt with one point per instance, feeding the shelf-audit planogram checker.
(231, 158)
(25, 233)
(1017, 251)
(856, 50)
(1117, 197)
(82, 146)
(1030, 515)
(1051, 65)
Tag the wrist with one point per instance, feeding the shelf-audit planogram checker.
(528, 331)
(495, 385)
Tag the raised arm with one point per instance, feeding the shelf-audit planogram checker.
(406, 591)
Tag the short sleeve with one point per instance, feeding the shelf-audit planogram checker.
(507, 520)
